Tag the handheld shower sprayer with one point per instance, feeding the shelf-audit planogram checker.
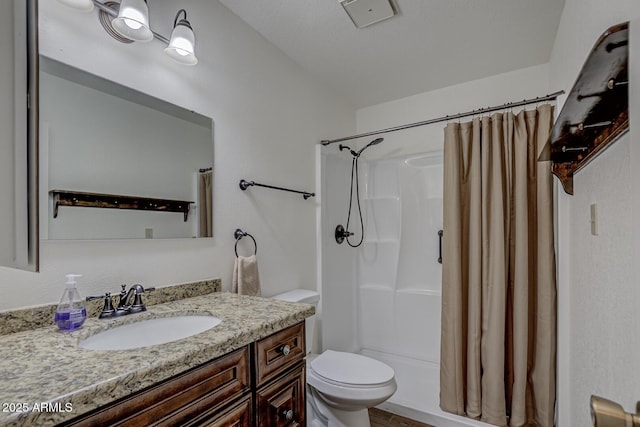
(357, 154)
(374, 142)
(342, 233)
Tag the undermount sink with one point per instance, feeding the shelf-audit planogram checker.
(145, 333)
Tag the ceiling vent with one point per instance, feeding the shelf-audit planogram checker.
(366, 12)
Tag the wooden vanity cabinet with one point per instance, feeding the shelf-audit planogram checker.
(261, 384)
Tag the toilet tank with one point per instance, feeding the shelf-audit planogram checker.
(308, 297)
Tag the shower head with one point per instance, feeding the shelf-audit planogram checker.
(374, 142)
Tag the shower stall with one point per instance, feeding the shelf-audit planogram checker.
(382, 299)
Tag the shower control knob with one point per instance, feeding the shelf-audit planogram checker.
(285, 349)
(341, 233)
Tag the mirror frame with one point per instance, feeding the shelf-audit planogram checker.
(33, 237)
(24, 201)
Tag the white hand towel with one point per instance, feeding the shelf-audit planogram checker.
(245, 276)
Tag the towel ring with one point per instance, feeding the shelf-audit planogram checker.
(239, 234)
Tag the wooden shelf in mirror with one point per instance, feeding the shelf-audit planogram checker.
(116, 201)
(596, 112)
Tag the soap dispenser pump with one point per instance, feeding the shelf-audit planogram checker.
(71, 312)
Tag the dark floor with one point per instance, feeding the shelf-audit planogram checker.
(380, 418)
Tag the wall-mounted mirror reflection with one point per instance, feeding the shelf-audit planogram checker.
(102, 138)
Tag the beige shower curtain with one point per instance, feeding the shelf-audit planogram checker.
(498, 343)
(206, 204)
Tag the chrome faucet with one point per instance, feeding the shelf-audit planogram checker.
(124, 307)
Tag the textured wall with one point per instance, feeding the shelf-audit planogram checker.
(598, 289)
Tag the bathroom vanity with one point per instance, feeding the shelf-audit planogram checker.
(248, 370)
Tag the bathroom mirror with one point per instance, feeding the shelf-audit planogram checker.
(18, 135)
(116, 161)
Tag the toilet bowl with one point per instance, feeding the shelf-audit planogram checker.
(341, 387)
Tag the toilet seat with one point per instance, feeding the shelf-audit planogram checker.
(366, 385)
(351, 370)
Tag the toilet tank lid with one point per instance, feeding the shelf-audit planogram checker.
(299, 295)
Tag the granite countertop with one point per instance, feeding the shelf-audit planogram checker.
(45, 378)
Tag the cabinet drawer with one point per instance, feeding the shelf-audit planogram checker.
(184, 397)
(238, 415)
(282, 403)
(279, 351)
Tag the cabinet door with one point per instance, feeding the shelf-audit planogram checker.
(179, 400)
(282, 403)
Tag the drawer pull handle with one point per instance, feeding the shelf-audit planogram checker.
(288, 414)
(285, 349)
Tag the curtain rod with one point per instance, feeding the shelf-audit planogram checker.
(549, 97)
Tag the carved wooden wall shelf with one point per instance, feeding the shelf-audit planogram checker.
(113, 201)
(596, 112)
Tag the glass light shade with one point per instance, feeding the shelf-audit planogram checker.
(82, 5)
(182, 45)
(132, 21)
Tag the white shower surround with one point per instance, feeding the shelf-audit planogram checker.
(391, 285)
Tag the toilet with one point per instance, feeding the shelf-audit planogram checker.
(341, 387)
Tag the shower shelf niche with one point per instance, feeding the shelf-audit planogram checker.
(596, 111)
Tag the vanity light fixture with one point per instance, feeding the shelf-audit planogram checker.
(132, 21)
(128, 21)
(182, 45)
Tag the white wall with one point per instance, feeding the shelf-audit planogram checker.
(338, 323)
(266, 112)
(599, 338)
(508, 87)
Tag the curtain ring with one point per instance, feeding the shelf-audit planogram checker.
(239, 234)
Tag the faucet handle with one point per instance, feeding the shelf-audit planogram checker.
(138, 305)
(107, 310)
(123, 297)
